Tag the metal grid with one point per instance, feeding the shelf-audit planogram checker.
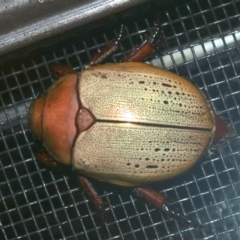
(201, 42)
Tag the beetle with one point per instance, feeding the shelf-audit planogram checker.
(127, 123)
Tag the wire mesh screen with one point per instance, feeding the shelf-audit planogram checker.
(200, 42)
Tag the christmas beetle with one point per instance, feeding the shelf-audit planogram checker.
(126, 123)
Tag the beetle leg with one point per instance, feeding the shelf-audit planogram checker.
(45, 158)
(96, 200)
(172, 212)
(147, 47)
(160, 202)
(108, 50)
(60, 70)
(221, 130)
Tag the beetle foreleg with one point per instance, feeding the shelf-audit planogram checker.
(61, 70)
(45, 158)
(107, 51)
(160, 202)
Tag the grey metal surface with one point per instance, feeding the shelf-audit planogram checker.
(26, 22)
(200, 42)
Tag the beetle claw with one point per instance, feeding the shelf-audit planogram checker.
(101, 213)
(155, 38)
(120, 35)
(160, 202)
(173, 213)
